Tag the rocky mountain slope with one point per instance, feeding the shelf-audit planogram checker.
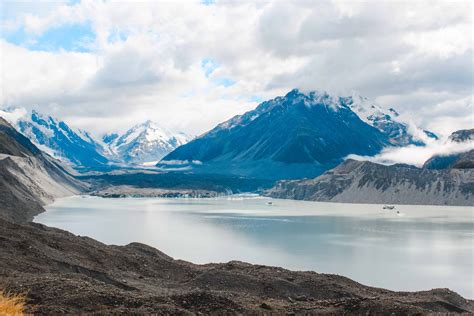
(28, 177)
(144, 143)
(444, 180)
(298, 135)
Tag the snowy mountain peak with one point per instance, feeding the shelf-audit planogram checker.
(146, 142)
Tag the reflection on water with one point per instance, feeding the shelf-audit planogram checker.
(423, 247)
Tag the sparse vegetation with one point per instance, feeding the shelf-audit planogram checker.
(11, 304)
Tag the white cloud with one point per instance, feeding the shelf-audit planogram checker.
(146, 59)
(417, 155)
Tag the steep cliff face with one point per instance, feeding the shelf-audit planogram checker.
(28, 177)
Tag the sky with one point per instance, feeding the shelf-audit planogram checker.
(104, 66)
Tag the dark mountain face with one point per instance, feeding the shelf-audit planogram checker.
(456, 161)
(462, 135)
(109, 138)
(296, 129)
(13, 143)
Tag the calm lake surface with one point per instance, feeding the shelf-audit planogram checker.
(421, 248)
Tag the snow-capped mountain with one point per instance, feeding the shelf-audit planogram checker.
(146, 142)
(56, 138)
(385, 120)
(296, 135)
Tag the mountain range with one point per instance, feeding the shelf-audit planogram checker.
(294, 136)
(289, 137)
(142, 143)
(442, 180)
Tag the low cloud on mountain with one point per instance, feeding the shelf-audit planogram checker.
(418, 155)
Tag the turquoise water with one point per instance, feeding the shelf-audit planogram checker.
(420, 248)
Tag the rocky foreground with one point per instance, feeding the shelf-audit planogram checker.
(64, 273)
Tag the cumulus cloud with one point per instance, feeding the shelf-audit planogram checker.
(145, 59)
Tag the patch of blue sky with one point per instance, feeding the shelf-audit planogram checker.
(69, 37)
(256, 98)
(208, 65)
(188, 94)
(208, 2)
(223, 81)
(117, 35)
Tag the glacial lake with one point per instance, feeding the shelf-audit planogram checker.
(420, 248)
